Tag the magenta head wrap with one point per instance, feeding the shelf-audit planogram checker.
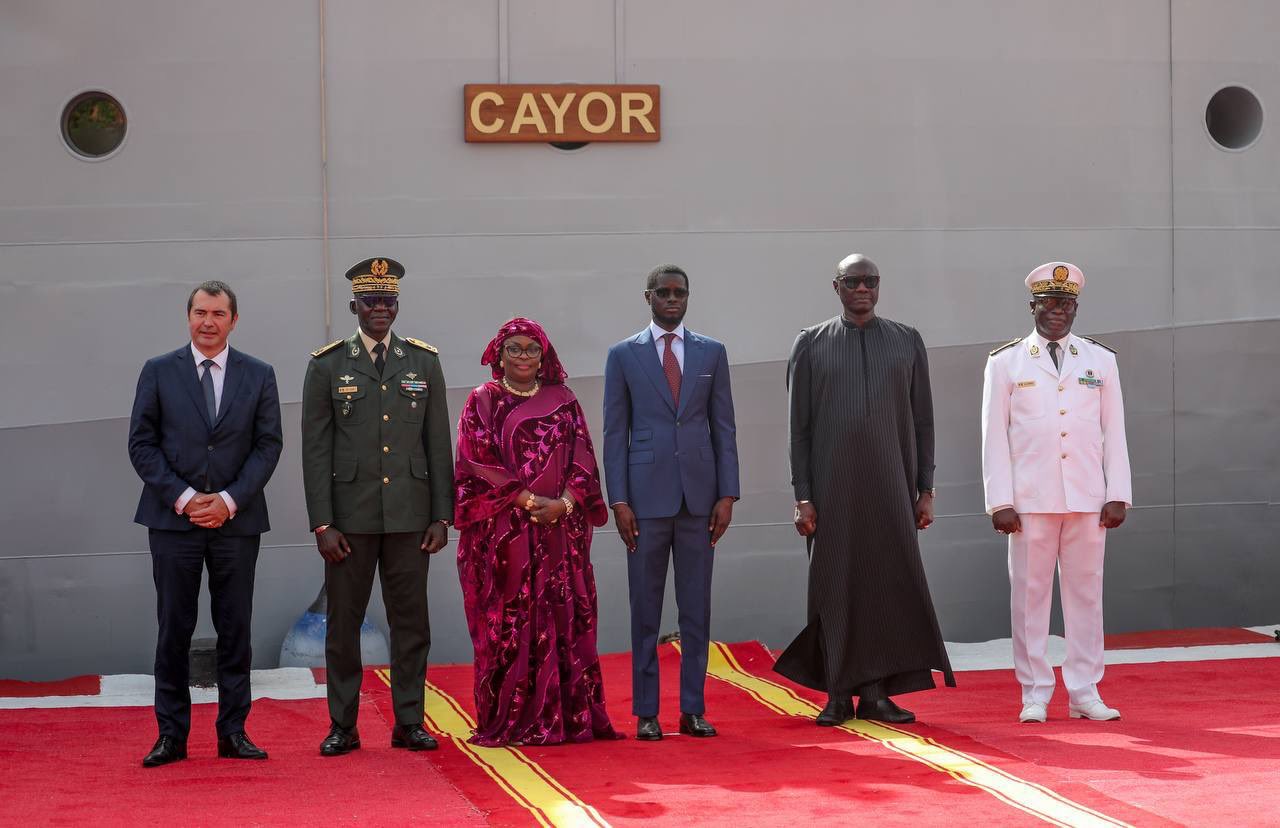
(551, 372)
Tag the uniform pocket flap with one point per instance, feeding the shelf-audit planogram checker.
(344, 471)
(641, 434)
(418, 467)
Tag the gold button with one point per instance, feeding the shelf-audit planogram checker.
(387, 449)
(1060, 411)
(388, 479)
(1064, 457)
(387, 417)
(1064, 434)
(384, 388)
(1060, 388)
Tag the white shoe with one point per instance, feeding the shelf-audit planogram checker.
(1095, 710)
(1033, 712)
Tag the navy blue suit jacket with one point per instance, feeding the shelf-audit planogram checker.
(172, 444)
(658, 454)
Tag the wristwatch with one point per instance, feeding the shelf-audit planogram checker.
(320, 530)
(929, 492)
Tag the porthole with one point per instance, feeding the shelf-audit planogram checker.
(1234, 118)
(93, 125)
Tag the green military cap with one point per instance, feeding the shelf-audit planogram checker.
(377, 275)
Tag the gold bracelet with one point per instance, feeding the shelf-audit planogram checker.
(568, 504)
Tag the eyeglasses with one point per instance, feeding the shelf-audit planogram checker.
(372, 302)
(1055, 303)
(531, 351)
(667, 293)
(852, 282)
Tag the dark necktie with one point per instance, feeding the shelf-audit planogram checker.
(379, 361)
(671, 367)
(206, 382)
(1053, 352)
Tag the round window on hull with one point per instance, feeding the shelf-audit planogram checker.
(93, 124)
(1234, 118)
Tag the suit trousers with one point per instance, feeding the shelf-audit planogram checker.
(684, 539)
(402, 568)
(1074, 544)
(178, 560)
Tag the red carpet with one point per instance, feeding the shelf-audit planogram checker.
(1199, 745)
(1205, 636)
(81, 766)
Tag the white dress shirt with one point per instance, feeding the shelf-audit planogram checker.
(677, 344)
(219, 369)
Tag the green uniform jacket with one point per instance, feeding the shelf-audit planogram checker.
(376, 452)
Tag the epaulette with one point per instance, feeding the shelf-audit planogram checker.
(1008, 344)
(423, 345)
(326, 349)
(1096, 342)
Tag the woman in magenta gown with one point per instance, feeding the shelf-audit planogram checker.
(528, 495)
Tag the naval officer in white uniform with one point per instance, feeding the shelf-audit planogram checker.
(1055, 468)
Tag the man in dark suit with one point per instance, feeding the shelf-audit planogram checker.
(377, 464)
(671, 467)
(204, 437)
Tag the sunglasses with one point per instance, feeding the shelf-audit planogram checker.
(1054, 303)
(851, 282)
(531, 351)
(372, 302)
(667, 293)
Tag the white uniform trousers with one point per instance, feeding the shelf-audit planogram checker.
(1075, 544)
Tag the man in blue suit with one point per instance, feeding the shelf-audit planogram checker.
(204, 437)
(671, 467)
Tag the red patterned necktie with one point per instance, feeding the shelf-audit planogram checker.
(671, 367)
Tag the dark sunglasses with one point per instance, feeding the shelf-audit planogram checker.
(532, 351)
(851, 282)
(1054, 303)
(372, 302)
(667, 293)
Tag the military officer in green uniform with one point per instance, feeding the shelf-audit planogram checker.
(378, 471)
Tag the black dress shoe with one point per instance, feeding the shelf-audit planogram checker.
(692, 724)
(166, 749)
(884, 710)
(648, 729)
(413, 737)
(837, 712)
(340, 741)
(239, 746)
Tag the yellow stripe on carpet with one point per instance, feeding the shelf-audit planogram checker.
(1026, 796)
(524, 780)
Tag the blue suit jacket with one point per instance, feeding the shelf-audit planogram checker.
(172, 444)
(658, 454)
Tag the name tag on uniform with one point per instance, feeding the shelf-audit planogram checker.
(348, 389)
(1026, 384)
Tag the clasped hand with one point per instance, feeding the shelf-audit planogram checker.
(542, 510)
(208, 511)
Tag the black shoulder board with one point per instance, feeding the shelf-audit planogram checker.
(420, 344)
(326, 349)
(1099, 344)
(1008, 344)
